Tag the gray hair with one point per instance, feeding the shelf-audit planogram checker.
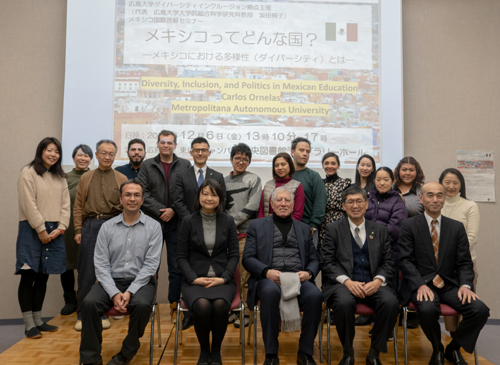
(110, 141)
(281, 188)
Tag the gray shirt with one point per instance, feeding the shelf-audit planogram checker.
(209, 225)
(127, 251)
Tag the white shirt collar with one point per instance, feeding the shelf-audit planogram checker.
(353, 226)
(429, 219)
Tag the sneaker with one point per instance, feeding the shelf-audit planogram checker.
(246, 320)
(105, 324)
(173, 312)
(78, 325)
(118, 317)
(233, 316)
(33, 333)
(45, 327)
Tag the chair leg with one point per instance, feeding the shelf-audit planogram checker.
(328, 336)
(177, 332)
(396, 344)
(405, 332)
(180, 331)
(242, 334)
(152, 337)
(255, 335)
(320, 334)
(158, 324)
(476, 358)
(250, 325)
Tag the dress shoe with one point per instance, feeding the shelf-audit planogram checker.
(272, 360)
(215, 358)
(119, 359)
(413, 323)
(98, 362)
(33, 333)
(204, 358)
(373, 360)
(363, 320)
(187, 322)
(437, 358)
(347, 360)
(454, 356)
(45, 327)
(305, 359)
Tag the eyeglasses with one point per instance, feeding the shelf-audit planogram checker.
(170, 143)
(110, 155)
(200, 150)
(239, 159)
(351, 203)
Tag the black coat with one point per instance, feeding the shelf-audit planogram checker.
(192, 254)
(186, 190)
(416, 255)
(258, 253)
(156, 194)
(337, 258)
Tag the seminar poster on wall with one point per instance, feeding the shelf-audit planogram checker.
(477, 168)
(261, 73)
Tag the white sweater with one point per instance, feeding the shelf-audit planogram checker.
(467, 212)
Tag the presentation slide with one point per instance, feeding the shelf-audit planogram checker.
(261, 73)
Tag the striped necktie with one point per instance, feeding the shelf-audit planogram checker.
(437, 281)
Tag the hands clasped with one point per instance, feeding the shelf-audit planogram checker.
(209, 282)
(361, 289)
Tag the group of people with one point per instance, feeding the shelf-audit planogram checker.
(110, 225)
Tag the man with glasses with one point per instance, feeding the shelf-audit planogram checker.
(357, 268)
(186, 189)
(243, 190)
(157, 175)
(96, 201)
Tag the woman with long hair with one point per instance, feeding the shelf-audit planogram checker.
(283, 170)
(44, 212)
(459, 208)
(409, 179)
(365, 172)
(208, 254)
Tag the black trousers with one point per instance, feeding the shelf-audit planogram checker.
(86, 269)
(474, 317)
(310, 300)
(97, 302)
(383, 302)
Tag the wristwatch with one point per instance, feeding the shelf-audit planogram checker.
(467, 286)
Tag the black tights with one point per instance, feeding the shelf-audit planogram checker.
(68, 281)
(210, 315)
(32, 290)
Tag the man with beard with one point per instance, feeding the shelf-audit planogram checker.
(136, 152)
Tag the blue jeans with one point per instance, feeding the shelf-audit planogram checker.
(174, 273)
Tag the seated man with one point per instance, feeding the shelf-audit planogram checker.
(275, 245)
(435, 259)
(127, 256)
(358, 268)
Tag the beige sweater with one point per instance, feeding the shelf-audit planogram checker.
(43, 199)
(467, 212)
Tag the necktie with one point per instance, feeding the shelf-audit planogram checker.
(437, 281)
(357, 239)
(201, 178)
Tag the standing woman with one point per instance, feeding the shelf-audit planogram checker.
(458, 207)
(365, 172)
(409, 179)
(334, 185)
(387, 208)
(82, 155)
(44, 214)
(283, 169)
(208, 254)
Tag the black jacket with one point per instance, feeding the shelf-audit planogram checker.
(156, 194)
(192, 254)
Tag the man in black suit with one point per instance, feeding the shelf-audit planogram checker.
(357, 268)
(276, 245)
(186, 189)
(435, 259)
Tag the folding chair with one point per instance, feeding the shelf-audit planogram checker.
(154, 313)
(446, 310)
(236, 306)
(361, 309)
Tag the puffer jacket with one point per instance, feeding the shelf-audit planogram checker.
(390, 211)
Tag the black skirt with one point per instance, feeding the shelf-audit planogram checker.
(191, 293)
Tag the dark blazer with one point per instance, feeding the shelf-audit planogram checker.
(337, 257)
(156, 194)
(192, 254)
(417, 260)
(258, 253)
(186, 189)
